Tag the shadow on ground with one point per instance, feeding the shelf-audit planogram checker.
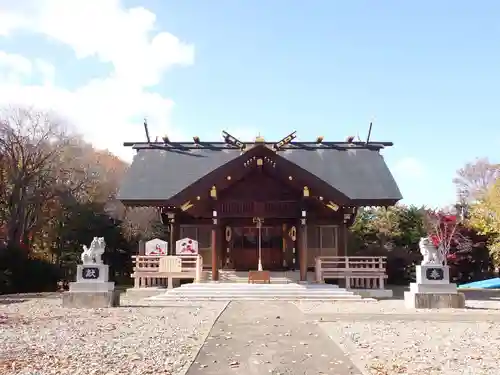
(470, 294)
(11, 301)
(27, 296)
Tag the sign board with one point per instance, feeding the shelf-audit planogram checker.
(156, 247)
(171, 264)
(186, 246)
(90, 273)
(434, 273)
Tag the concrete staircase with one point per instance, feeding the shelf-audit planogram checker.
(231, 276)
(243, 291)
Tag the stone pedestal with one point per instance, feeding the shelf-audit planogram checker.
(433, 289)
(91, 300)
(92, 288)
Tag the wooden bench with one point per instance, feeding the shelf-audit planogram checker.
(259, 277)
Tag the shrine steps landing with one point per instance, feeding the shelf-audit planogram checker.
(240, 291)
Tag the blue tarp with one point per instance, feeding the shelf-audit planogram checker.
(483, 284)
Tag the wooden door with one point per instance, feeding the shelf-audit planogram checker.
(272, 248)
(245, 252)
(245, 248)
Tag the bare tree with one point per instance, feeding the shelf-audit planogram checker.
(474, 179)
(32, 146)
(140, 221)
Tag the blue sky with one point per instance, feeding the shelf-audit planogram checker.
(426, 72)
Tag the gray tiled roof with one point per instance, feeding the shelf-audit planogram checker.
(360, 174)
(160, 174)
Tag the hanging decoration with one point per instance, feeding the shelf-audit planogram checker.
(228, 234)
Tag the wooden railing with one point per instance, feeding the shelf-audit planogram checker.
(266, 209)
(358, 272)
(151, 270)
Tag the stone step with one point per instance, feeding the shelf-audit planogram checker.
(144, 292)
(257, 293)
(228, 291)
(276, 287)
(256, 298)
(247, 294)
(234, 291)
(245, 281)
(220, 286)
(277, 277)
(238, 279)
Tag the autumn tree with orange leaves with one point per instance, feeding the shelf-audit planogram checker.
(45, 170)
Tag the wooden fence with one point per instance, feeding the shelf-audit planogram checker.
(151, 270)
(358, 272)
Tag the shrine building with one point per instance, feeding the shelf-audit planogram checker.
(281, 203)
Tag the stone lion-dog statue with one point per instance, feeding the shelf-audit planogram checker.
(93, 254)
(432, 255)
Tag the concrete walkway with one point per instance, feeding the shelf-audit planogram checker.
(268, 338)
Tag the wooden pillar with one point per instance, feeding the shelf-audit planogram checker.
(288, 246)
(171, 240)
(215, 257)
(302, 245)
(173, 232)
(142, 247)
(221, 245)
(349, 217)
(302, 249)
(346, 238)
(342, 240)
(174, 235)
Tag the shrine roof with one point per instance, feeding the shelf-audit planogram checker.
(160, 170)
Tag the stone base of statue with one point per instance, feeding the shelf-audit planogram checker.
(92, 288)
(433, 290)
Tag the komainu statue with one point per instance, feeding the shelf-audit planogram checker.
(432, 255)
(93, 254)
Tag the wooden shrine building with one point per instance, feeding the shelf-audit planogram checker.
(287, 201)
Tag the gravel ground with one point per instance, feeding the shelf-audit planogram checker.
(474, 307)
(385, 338)
(40, 337)
(420, 347)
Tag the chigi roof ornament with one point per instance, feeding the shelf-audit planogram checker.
(146, 130)
(285, 141)
(232, 143)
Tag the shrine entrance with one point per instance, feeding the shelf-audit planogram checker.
(246, 248)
